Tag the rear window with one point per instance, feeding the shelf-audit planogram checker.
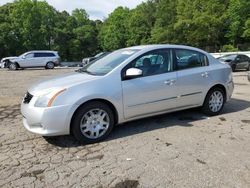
(43, 54)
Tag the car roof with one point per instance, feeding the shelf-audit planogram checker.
(156, 46)
(42, 51)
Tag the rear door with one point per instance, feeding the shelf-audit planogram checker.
(192, 77)
(153, 92)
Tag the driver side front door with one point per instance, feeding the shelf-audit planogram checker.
(153, 92)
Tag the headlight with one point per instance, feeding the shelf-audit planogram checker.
(47, 99)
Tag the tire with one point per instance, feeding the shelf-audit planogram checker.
(83, 121)
(233, 68)
(248, 68)
(13, 66)
(50, 65)
(214, 107)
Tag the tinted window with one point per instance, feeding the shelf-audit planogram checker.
(155, 62)
(190, 59)
(43, 54)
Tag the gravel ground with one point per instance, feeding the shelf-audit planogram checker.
(183, 149)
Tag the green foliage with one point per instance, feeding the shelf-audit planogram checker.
(229, 48)
(114, 32)
(208, 24)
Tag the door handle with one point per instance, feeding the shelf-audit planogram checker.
(205, 74)
(169, 82)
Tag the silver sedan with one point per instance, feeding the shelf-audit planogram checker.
(128, 84)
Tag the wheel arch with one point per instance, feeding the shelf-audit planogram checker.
(221, 86)
(110, 104)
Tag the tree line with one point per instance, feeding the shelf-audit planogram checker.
(213, 25)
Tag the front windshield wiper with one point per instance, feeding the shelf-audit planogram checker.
(86, 71)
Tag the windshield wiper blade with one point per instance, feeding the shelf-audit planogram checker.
(85, 71)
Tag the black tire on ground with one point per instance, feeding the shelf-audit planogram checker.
(77, 118)
(13, 66)
(206, 106)
(233, 68)
(50, 65)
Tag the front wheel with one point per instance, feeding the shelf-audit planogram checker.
(214, 102)
(13, 66)
(92, 122)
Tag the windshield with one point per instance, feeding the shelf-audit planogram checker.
(108, 63)
(227, 57)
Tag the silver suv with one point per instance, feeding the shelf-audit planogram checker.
(47, 59)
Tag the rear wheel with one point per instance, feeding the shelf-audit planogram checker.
(214, 102)
(13, 66)
(93, 122)
(50, 65)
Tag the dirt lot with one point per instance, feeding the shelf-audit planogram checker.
(183, 149)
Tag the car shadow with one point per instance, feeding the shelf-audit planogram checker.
(183, 118)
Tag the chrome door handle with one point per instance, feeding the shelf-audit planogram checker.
(205, 74)
(169, 82)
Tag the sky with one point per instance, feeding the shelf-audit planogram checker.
(97, 9)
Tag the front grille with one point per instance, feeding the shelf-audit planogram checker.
(27, 98)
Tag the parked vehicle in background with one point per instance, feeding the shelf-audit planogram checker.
(128, 84)
(87, 60)
(236, 61)
(46, 59)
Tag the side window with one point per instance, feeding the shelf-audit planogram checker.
(44, 55)
(30, 55)
(190, 59)
(155, 62)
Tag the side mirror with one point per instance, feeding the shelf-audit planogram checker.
(237, 59)
(133, 73)
(23, 57)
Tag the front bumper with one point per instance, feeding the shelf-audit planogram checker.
(50, 121)
(230, 89)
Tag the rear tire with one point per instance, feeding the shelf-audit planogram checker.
(50, 65)
(214, 102)
(13, 66)
(92, 123)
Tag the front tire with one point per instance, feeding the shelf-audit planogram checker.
(92, 123)
(214, 102)
(13, 66)
(50, 65)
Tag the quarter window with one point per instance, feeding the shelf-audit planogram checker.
(155, 62)
(186, 59)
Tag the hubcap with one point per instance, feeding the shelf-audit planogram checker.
(12, 66)
(216, 101)
(94, 123)
(50, 65)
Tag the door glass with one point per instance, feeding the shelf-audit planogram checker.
(190, 59)
(152, 63)
(31, 55)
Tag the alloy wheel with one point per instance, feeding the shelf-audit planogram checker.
(216, 101)
(94, 123)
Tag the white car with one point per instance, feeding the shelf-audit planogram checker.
(128, 84)
(47, 59)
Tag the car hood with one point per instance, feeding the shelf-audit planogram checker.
(60, 82)
(9, 58)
